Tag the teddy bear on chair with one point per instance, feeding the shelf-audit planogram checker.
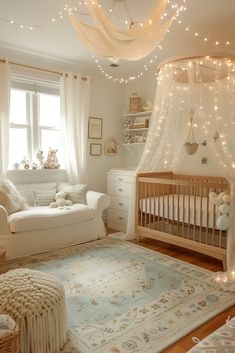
(51, 161)
(60, 200)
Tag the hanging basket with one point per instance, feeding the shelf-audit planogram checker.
(191, 148)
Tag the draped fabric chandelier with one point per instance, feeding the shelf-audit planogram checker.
(132, 43)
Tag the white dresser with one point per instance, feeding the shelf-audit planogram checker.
(119, 188)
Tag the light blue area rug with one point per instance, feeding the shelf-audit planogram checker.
(123, 298)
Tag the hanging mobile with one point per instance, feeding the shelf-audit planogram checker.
(190, 145)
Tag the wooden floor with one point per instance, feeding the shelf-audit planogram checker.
(206, 262)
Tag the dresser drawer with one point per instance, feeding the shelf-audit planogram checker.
(117, 226)
(120, 178)
(120, 203)
(119, 189)
(116, 216)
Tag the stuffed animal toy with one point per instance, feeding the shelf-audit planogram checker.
(222, 200)
(51, 161)
(60, 200)
(40, 158)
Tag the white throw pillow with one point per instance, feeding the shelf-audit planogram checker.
(43, 198)
(76, 193)
(10, 198)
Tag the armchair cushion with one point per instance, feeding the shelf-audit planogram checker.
(10, 198)
(45, 218)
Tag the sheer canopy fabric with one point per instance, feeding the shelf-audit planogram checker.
(134, 43)
(4, 117)
(206, 86)
(75, 103)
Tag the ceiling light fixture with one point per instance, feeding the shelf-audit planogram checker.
(132, 43)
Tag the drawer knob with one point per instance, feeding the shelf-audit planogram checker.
(120, 204)
(121, 218)
(120, 190)
(120, 179)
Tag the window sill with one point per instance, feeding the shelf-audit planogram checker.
(24, 176)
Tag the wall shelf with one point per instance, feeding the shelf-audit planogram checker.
(138, 129)
(136, 115)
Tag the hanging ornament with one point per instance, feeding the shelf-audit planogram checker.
(190, 145)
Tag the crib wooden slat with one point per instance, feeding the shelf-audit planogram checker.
(201, 214)
(146, 204)
(158, 206)
(207, 214)
(150, 205)
(154, 205)
(189, 210)
(183, 220)
(163, 206)
(194, 213)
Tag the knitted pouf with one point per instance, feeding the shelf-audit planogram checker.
(36, 301)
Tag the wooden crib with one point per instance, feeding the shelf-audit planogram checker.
(176, 209)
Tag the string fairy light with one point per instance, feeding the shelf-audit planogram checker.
(66, 11)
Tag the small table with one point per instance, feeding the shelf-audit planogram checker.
(36, 301)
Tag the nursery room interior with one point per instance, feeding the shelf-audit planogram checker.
(117, 176)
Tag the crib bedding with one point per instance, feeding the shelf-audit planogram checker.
(182, 208)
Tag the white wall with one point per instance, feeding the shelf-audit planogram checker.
(106, 103)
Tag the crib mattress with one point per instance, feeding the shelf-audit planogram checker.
(182, 208)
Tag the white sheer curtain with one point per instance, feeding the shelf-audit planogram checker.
(75, 104)
(206, 85)
(4, 116)
(168, 128)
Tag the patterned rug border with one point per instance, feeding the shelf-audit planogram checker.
(10, 263)
(64, 252)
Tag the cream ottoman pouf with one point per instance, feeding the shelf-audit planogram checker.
(36, 301)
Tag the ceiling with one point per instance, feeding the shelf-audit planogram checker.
(212, 19)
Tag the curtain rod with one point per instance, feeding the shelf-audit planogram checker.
(40, 69)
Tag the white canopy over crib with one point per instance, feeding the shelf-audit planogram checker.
(203, 89)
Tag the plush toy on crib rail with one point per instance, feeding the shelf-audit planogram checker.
(51, 161)
(222, 200)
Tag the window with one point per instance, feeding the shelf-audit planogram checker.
(34, 125)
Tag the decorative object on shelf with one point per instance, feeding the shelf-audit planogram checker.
(141, 123)
(190, 145)
(40, 159)
(128, 123)
(109, 41)
(204, 160)
(222, 200)
(135, 103)
(128, 138)
(148, 107)
(95, 149)
(95, 128)
(140, 139)
(216, 136)
(16, 166)
(51, 161)
(110, 147)
(25, 164)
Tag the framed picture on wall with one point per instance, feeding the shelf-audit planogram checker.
(95, 128)
(110, 147)
(95, 149)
